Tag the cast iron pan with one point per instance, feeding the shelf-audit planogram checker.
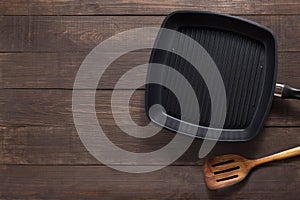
(246, 56)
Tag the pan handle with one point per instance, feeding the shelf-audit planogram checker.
(286, 92)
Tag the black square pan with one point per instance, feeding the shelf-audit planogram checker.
(246, 56)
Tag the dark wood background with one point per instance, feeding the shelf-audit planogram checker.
(42, 44)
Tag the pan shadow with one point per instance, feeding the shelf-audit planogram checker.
(286, 111)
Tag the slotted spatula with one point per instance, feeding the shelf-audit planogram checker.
(226, 170)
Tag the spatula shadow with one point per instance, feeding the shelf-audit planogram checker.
(229, 192)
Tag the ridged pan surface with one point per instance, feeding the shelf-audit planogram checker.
(246, 57)
(240, 61)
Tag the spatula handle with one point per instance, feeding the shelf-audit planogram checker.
(279, 156)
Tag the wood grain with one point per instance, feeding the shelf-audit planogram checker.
(32, 107)
(143, 7)
(14, 33)
(15, 7)
(180, 182)
(58, 70)
(83, 33)
(62, 146)
(19, 70)
(43, 43)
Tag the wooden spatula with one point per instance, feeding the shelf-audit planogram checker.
(226, 170)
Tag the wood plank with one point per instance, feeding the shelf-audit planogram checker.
(185, 182)
(54, 108)
(15, 7)
(62, 146)
(58, 70)
(83, 33)
(14, 33)
(143, 7)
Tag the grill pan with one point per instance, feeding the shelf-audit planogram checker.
(246, 56)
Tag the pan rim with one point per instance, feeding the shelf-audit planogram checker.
(242, 134)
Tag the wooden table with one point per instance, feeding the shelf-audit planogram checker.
(43, 43)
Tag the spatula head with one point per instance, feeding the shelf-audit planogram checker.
(223, 171)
